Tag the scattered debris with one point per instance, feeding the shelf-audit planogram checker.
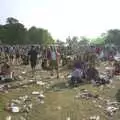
(4, 88)
(20, 77)
(112, 107)
(35, 93)
(62, 77)
(113, 103)
(42, 102)
(84, 90)
(23, 72)
(99, 106)
(95, 118)
(66, 84)
(69, 76)
(8, 118)
(1, 88)
(111, 110)
(25, 86)
(22, 118)
(86, 95)
(40, 83)
(15, 109)
(68, 118)
(59, 108)
(30, 106)
(21, 104)
(41, 96)
(16, 101)
(31, 80)
(94, 101)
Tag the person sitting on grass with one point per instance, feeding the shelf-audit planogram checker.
(77, 73)
(5, 69)
(6, 72)
(76, 76)
(44, 64)
(117, 68)
(93, 76)
(92, 73)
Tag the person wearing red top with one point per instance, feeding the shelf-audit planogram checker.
(98, 50)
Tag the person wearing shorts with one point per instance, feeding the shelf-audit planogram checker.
(54, 62)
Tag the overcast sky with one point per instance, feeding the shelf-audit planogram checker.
(64, 17)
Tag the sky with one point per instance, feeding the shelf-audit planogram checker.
(64, 18)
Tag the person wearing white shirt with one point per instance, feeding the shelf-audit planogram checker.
(54, 62)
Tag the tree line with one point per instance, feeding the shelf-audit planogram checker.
(14, 32)
(112, 36)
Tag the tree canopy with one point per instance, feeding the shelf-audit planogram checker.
(112, 36)
(14, 32)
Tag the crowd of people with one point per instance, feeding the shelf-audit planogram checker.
(50, 57)
(85, 66)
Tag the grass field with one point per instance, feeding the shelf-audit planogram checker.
(60, 102)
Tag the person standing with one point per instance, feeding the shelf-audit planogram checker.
(54, 61)
(11, 56)
(33, 58)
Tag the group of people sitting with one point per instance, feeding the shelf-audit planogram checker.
(84, 69)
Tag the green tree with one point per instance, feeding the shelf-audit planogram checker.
(113, 36)
(49, 39)
(11, 20)
(33, 35)
(14, 33)
(2, 33)
(100, 40)
(83, 41)
(59, 42)
(39, 35)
